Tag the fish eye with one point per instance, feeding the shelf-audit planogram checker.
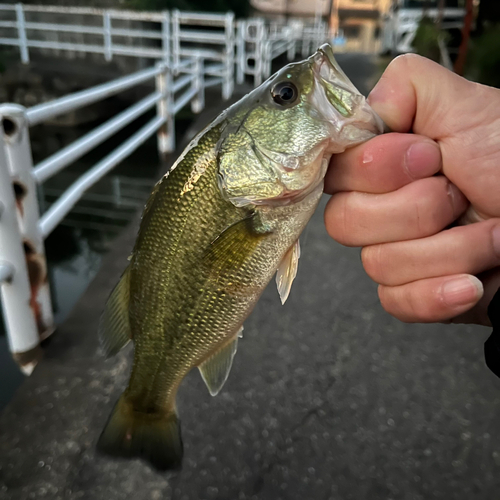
(284, 93)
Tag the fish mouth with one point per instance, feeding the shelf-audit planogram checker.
(326, 52)
(332, 78)
(339, 103)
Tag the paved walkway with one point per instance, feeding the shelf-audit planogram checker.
(329, 398)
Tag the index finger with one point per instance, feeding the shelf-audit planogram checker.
(383, 164)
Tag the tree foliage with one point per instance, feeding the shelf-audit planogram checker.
(426, 39)
(488, 14)
(484, 57)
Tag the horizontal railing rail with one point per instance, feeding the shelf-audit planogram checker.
(55, 163)
(47, 110)
(18, 294)
(69, 198)
(192, 51)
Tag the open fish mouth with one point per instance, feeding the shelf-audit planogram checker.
(327, 52)
(340, 103)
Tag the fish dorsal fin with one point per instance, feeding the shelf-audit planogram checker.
(215, 369)
(287, 271)
(114, 327)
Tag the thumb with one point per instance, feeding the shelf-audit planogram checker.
(417, 94)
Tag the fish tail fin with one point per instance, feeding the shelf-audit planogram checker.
(155, 437)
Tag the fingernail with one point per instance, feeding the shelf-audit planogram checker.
(462, 291)
(423, 159)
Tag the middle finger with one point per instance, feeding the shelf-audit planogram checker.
(416, 210)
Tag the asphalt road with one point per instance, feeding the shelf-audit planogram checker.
(329, 398)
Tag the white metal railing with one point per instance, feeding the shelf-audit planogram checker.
(258, 44)
(249, 49)
(24, 289)
(99, 31)
(193, 51)
(121, 33)
(214, 44)
(252, 43)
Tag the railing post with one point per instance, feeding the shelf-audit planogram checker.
(240, 51)
(228, 83)
(267, 59)
(176, 39)
(166, 133)
(165, 37)
(20, 164)
(260, 33)
(21, 30)
(108, 44)
(198, 84)
(294, 31)
(305, 42)
(15, 290)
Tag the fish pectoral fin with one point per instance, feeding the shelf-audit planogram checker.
(287, 271)
(231, 249)
(215, 370)
(114, 326)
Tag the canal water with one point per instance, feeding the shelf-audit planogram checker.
(76, 247)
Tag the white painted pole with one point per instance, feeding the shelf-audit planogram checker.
(20, 165)
(15, 293)
(165, 37)
(228, 84)
(166, 133)
(108, 47)
(21, 30)
(259, 51)
(176, 39)
(198, 84)
(240, 52)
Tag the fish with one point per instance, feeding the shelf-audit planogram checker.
(217, 227)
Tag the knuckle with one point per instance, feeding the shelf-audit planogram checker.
(495, 240)
(387, 300)
(338, 216)
(373, 262)
(435, 209)
(403, 62)
(405, 303)
(331, 218)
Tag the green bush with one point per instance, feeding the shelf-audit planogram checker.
(483, 60)
(426, 39)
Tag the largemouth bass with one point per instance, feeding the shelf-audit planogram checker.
(217, 227)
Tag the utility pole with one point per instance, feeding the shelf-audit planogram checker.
(462, 51)
(334, 17)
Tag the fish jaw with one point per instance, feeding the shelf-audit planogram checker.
(339, 102)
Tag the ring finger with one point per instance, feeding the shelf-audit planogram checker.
(470, 249)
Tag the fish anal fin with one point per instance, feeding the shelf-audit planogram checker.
(114, 326)
(287, 271)
(215, 370)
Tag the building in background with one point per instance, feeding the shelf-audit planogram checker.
(355, 22)
(281, 9)
(359, 21)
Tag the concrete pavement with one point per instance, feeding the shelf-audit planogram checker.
(328, 398)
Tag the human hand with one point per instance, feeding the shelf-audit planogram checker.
(388, 199)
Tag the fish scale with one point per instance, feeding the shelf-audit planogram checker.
(216, 229)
